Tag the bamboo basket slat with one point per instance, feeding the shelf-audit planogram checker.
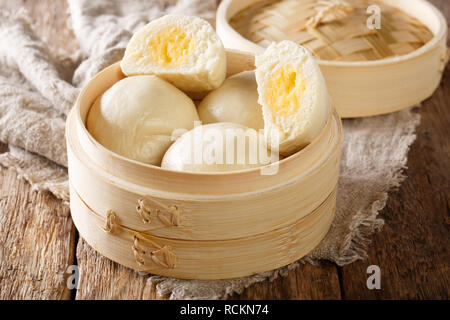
(205, 260)
(215, 225)
(368, 72)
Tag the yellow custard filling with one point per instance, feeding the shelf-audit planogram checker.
(170, 47)
(284, 91)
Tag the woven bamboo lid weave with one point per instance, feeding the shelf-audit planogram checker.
(333, 30)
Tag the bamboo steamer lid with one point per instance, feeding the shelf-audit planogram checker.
(369, 71)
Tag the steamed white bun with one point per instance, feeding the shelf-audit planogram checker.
(236, 100)
(183, 50)
(293, 94)
(217, 147)
(137, 115)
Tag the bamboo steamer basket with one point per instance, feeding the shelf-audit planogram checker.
(199, 225)
(365, 75)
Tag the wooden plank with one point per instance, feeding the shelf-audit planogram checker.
(307, 282)
(100, 278)
(36, 242)
(412, 250)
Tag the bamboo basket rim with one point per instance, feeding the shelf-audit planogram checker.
(223, 20)
(166, 196)
(80, 124)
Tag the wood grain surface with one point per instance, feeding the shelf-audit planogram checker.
(38, 240)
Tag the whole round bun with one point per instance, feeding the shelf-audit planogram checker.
(236, 101)
(137, 115)
(205, 149)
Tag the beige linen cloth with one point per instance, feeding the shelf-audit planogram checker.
(36, 94)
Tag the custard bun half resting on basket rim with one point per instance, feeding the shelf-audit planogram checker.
(137, 116)
(182, 50)
(293, 95)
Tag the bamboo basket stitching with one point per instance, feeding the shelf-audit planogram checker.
(111, 220)
(138, 252)
(162, 256)
(144, 212)
(334, 30)
(168, 215)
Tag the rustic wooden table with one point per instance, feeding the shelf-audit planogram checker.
(38, 240)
